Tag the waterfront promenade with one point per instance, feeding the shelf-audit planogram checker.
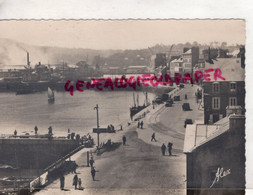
(139, 167)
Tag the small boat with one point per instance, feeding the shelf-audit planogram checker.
(50, 94)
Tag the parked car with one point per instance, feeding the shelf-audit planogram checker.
(177, 98)
(165, 97)
(187, 121)
(158, 100)
(181, 85)
(168, 104)
(186, 107)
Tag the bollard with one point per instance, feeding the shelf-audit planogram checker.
(88, 163)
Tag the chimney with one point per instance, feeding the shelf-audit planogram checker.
(242, 53)
(28, 60)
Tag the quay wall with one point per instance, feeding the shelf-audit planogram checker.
(34, 153)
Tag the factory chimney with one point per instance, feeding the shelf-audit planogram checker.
(28, 60)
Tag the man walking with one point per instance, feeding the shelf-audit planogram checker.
(62, 182)
(92, 162)
(75, 180)
(124, 140)
(163, 148)
(141, 124)
(153, 137)
(170, 148)
(93, 173)
(36, 130)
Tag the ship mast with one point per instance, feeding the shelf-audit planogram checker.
(137, 99)
(134, 100)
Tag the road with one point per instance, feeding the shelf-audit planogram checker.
(139, 167)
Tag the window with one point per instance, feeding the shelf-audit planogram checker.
(232, 101)
(216, 87)
(216, 103)
(232, 86)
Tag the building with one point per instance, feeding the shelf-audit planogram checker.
(220, 94)
(136, 69)
(176, 66)
(215, 156)
(190, 59)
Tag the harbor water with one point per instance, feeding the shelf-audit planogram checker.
(23, 112)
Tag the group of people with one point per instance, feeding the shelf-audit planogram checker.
(140, 124)
(163, 148)
(77, 182)
(110, 127)
(92, 171)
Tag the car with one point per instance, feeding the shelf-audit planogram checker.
(187, 121)
(186, 107)
(181, 86)
(177, 98)
(168, 104)
(158, 100)
(165, 97)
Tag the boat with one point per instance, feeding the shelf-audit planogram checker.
(50, 94)
(137, 108)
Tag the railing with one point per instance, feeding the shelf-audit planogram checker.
(41, 180)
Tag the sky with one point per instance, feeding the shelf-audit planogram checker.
(122, 34)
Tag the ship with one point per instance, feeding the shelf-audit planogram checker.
(137, 108)
(50, 94)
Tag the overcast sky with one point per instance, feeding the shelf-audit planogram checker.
(122, 34)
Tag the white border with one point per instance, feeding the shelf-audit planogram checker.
(153, 9)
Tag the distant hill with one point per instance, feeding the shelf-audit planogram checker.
(14, 53)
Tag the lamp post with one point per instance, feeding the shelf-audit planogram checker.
(97, 123)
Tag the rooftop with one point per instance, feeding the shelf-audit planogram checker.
(230, 67)
(198, 134)
(189, 51)
(177, 60)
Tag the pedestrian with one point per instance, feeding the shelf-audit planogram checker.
(74, 166)
(68, 130)
(170, 148)
(124, 140)
(36, 130)
(62, 182)
(79, 183)
(121, 127)
(141, 124)
(138, 124)
(50, 130)
(75, 180)
(153, 137)
(185, 96)
(92, 162)
(15, 132)
(163, 148)
(93, 173)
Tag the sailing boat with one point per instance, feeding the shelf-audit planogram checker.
(137, 108)
(50, 94)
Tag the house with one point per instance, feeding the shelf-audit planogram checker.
(220, 94)
(190, 59)
(176, 66)
(215, 156)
